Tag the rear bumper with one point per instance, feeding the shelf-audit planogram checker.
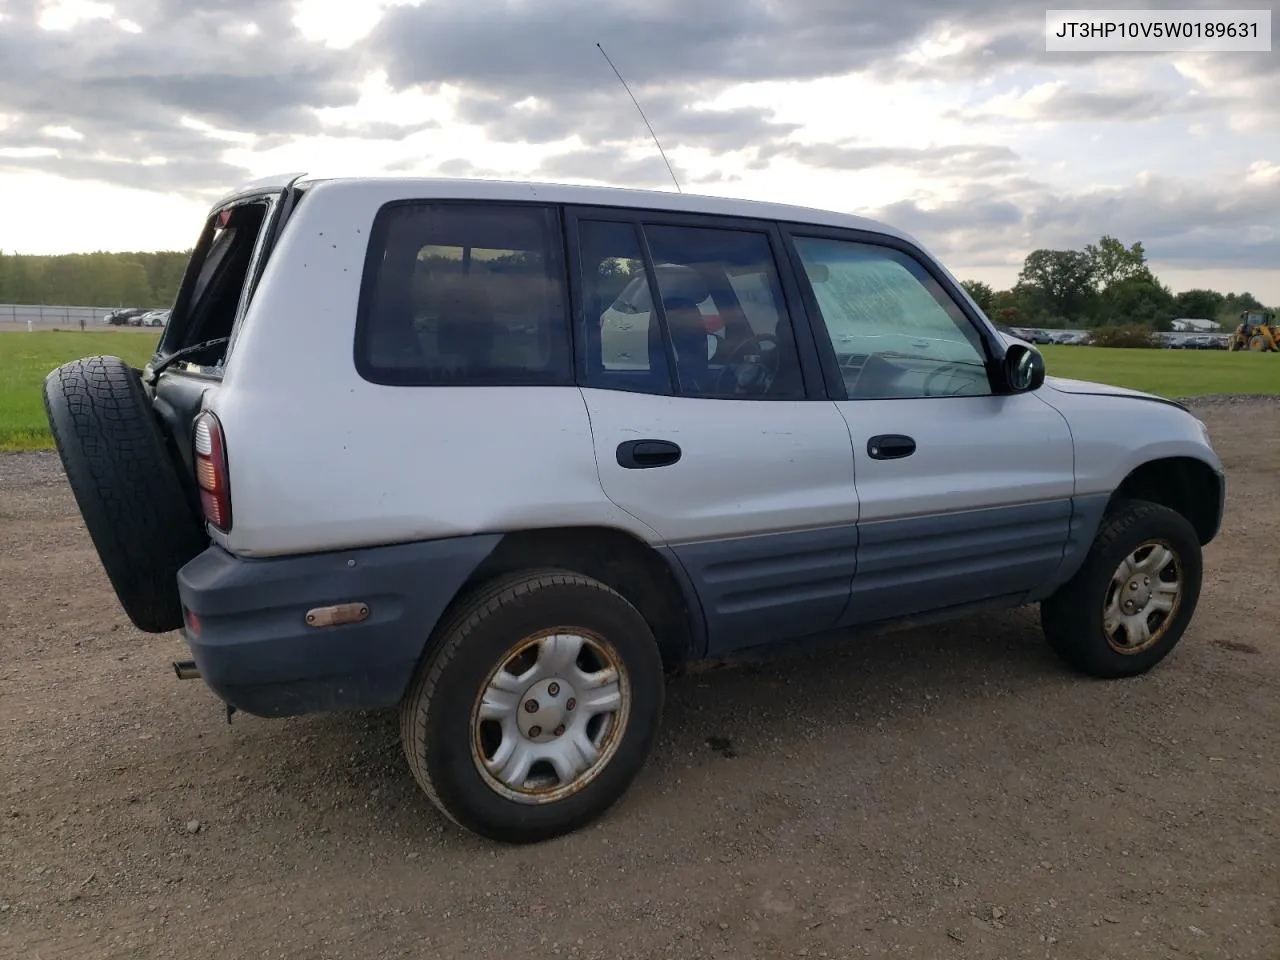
(256, 651)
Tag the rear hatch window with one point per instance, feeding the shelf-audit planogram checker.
(218, 284)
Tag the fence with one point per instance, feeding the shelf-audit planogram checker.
(35, 317)
(40, 317)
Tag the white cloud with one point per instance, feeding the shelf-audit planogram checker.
(948, 118)
(1263, 171)
(113, 219)
(62, 133)
(68, 14)
(1024, 104)
(378, 103)
(214, 133)
(27, 153)
(336, 24)
(946, 41)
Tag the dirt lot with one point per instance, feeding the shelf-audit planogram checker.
(931, 794)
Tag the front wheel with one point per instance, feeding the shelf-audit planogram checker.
(1129, 604)
(537, 708)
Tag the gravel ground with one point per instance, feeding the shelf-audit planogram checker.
(934, 793)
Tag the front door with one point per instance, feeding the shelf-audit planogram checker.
(708, 422)
(965, 495)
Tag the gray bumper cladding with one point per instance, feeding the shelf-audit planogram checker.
(255, 649)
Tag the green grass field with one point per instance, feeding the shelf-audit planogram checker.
(25, 358)
(1168, 373)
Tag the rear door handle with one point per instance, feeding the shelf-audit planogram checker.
(890, 446)
(643, 454)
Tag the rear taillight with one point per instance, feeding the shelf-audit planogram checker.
(211, 471)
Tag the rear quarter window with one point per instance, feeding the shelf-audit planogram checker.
(464, 294)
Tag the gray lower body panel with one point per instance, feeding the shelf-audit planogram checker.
(757, 590)
(1086, 518)
(767, 589)
(256, 651)
(915, 565)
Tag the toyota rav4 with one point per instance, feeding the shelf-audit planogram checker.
(501, 456)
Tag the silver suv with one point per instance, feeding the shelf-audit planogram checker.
(500, 455)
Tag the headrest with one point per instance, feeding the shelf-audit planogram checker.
(680, 285)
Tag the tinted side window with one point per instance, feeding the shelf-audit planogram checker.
(895, 331)
(623, 337)
(725, 313)
(464, 294)
(723, 317)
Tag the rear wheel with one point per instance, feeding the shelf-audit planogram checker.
(537, 709)
(133, 504)
(1131, 601)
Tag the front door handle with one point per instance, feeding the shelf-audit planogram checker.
(890, 446)
(643, 454)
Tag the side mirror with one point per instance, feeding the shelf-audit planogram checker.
(1023, 368)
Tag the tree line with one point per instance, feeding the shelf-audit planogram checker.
(1106, 284)
(93, 279)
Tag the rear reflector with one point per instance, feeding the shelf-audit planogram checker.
(211, 471)
(337, 615)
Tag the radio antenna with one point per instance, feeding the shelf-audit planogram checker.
(642, 117)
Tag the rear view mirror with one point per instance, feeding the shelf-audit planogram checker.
(1023, 368)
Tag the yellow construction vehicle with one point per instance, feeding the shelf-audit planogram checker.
(1257, 331)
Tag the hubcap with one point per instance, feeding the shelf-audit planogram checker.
(1143, 597)
(550, 716)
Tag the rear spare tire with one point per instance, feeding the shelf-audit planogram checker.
(137, 513)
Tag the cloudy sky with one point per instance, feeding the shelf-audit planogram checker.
(120, 120)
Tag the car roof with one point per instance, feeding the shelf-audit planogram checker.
(577, 195)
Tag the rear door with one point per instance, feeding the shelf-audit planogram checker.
(216, 288)
(709, 418)
(965, 494)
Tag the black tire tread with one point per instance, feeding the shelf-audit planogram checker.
(455, 630)
(133, 504)
(1065, 616)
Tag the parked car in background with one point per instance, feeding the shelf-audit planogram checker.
(1210, 341)
(124, 316)
(1032, 336)
(155, 318)
(1013, 335)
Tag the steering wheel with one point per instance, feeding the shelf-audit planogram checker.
(752, 374)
